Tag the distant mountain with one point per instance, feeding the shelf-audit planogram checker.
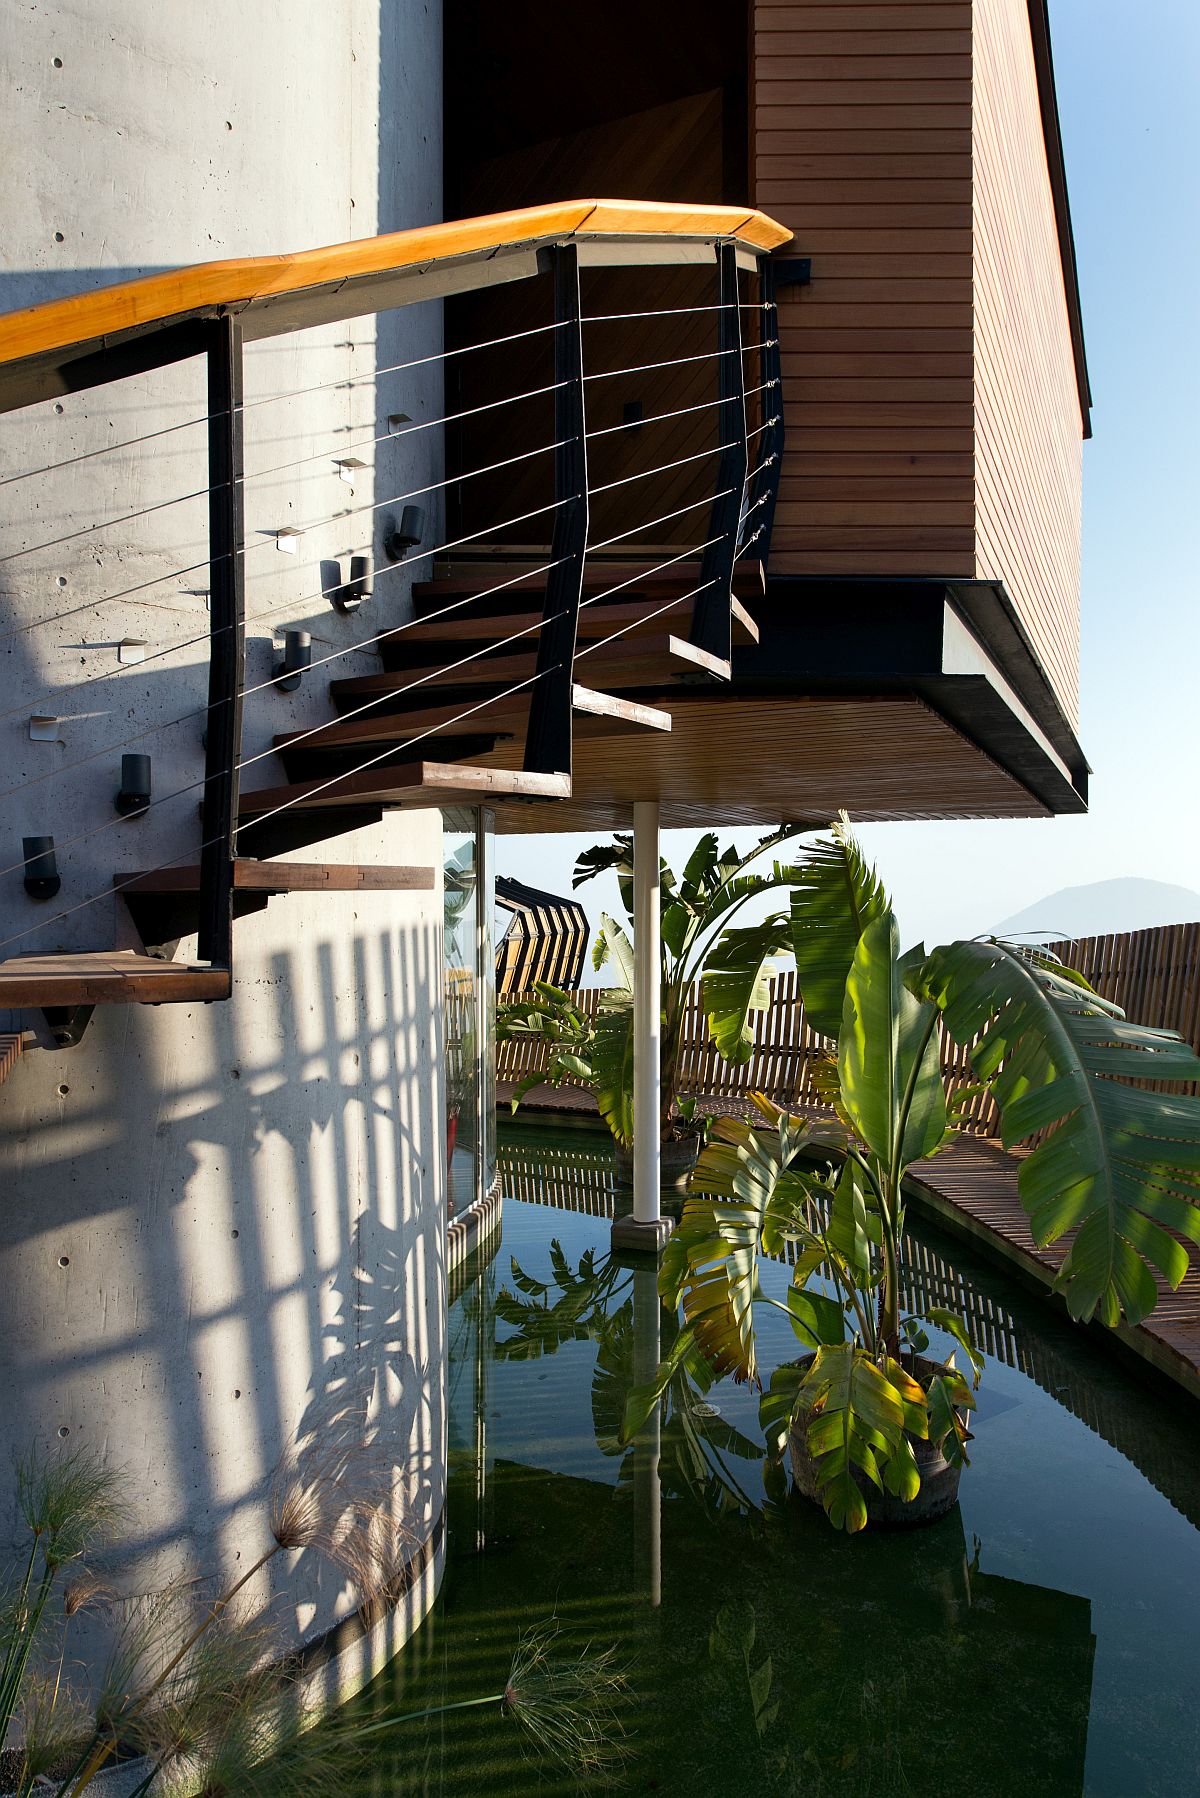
(1104, 907)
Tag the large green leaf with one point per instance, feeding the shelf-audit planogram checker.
(612, 945)
(1120, 1166)
(855, 1424)
(736, 982)
(739, 1185)
(612, 1068)
(888, 1059)
(836, 894)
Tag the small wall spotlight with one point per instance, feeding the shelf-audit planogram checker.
(349, 597)
(297, 656)
(41, 867)
(133, 798)
(406, 535)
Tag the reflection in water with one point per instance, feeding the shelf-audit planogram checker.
(1039, 1640)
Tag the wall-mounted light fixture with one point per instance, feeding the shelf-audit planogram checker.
(41, 867)
(349, 596)
(406, 535)
(297, 656)
(133, 796)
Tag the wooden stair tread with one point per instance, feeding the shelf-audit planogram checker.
(594, 622)
(286, 877)
(600, 714)
(424, 784)
(646, 663)
(107, 976)
(476, 578)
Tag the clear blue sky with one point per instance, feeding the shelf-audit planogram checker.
(1129, 95)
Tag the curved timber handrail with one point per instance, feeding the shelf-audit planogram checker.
(274, 294)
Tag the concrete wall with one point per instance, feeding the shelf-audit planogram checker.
(216, 1219)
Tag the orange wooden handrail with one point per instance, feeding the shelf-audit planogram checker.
(250, 282)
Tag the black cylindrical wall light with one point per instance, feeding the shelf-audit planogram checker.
(41, 867)
(297, 656)
(133, 796)
(407, 534)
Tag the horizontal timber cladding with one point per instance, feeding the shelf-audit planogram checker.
(861, 123)
(930, 388)
(1028, 428)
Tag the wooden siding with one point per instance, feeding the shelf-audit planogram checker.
(861, 123)
(933, 412)
(1028, 426)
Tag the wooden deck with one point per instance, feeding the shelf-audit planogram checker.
(971, 1190)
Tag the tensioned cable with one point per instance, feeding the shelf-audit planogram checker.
(439, 729)
(207, 563)
(190, 854)
(286, 605)
(272, 399)
(181, 499)
(640, 623)
(644, 368)
(390, 749)
(643, 474)
(602, 318)
(380, 699)
(245, 692)
(487, 649)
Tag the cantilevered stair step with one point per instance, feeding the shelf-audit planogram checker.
(165, 902)
(597, 715)
(419, 645)
(489, 586)
(107, 977)
(414, 785)
(652, 661)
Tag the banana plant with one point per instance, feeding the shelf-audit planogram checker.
(1116, 1167)
(699, 943)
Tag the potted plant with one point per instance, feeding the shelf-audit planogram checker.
(875, 1427)
(699, 942)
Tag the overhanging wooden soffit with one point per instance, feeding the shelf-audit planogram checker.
(751, 760)
(276, 294)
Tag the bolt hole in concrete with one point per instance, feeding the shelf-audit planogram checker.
(58, 62)
(59, 238)
(63, 1090)
(237, 1392)
(61, 581)
(64, 1261)
(1060, 1593)
(235, 1234)
(63, 1430)
(58, 408)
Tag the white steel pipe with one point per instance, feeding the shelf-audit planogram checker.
(647, 1014)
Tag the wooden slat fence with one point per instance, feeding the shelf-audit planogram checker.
(1154, 975)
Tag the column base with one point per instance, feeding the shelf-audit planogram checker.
(633, 1236)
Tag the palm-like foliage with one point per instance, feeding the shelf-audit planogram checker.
(1117, 1165)
(699, 942)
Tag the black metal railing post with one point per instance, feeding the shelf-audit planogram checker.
(711, 613)
(760, 513)
(548, 738)
(227, 649)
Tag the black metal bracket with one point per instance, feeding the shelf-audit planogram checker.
(226, 665)
(548, 738)
(764, 491)
(789, 271)
(712, 617)
(67, 1023)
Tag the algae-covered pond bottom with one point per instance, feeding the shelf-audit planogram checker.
(1042, 1640)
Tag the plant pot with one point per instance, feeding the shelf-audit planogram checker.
(939, 1479)
(678, 1156)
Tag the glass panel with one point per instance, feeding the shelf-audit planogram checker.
(489, 937)
(461, 988)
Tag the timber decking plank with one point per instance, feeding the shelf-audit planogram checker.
(287, 877)
(107, 977)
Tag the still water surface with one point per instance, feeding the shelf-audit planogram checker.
(1040, 1642)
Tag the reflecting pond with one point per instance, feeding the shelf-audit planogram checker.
(1041, 1639)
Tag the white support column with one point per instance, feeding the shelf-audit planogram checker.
(647, 1228)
